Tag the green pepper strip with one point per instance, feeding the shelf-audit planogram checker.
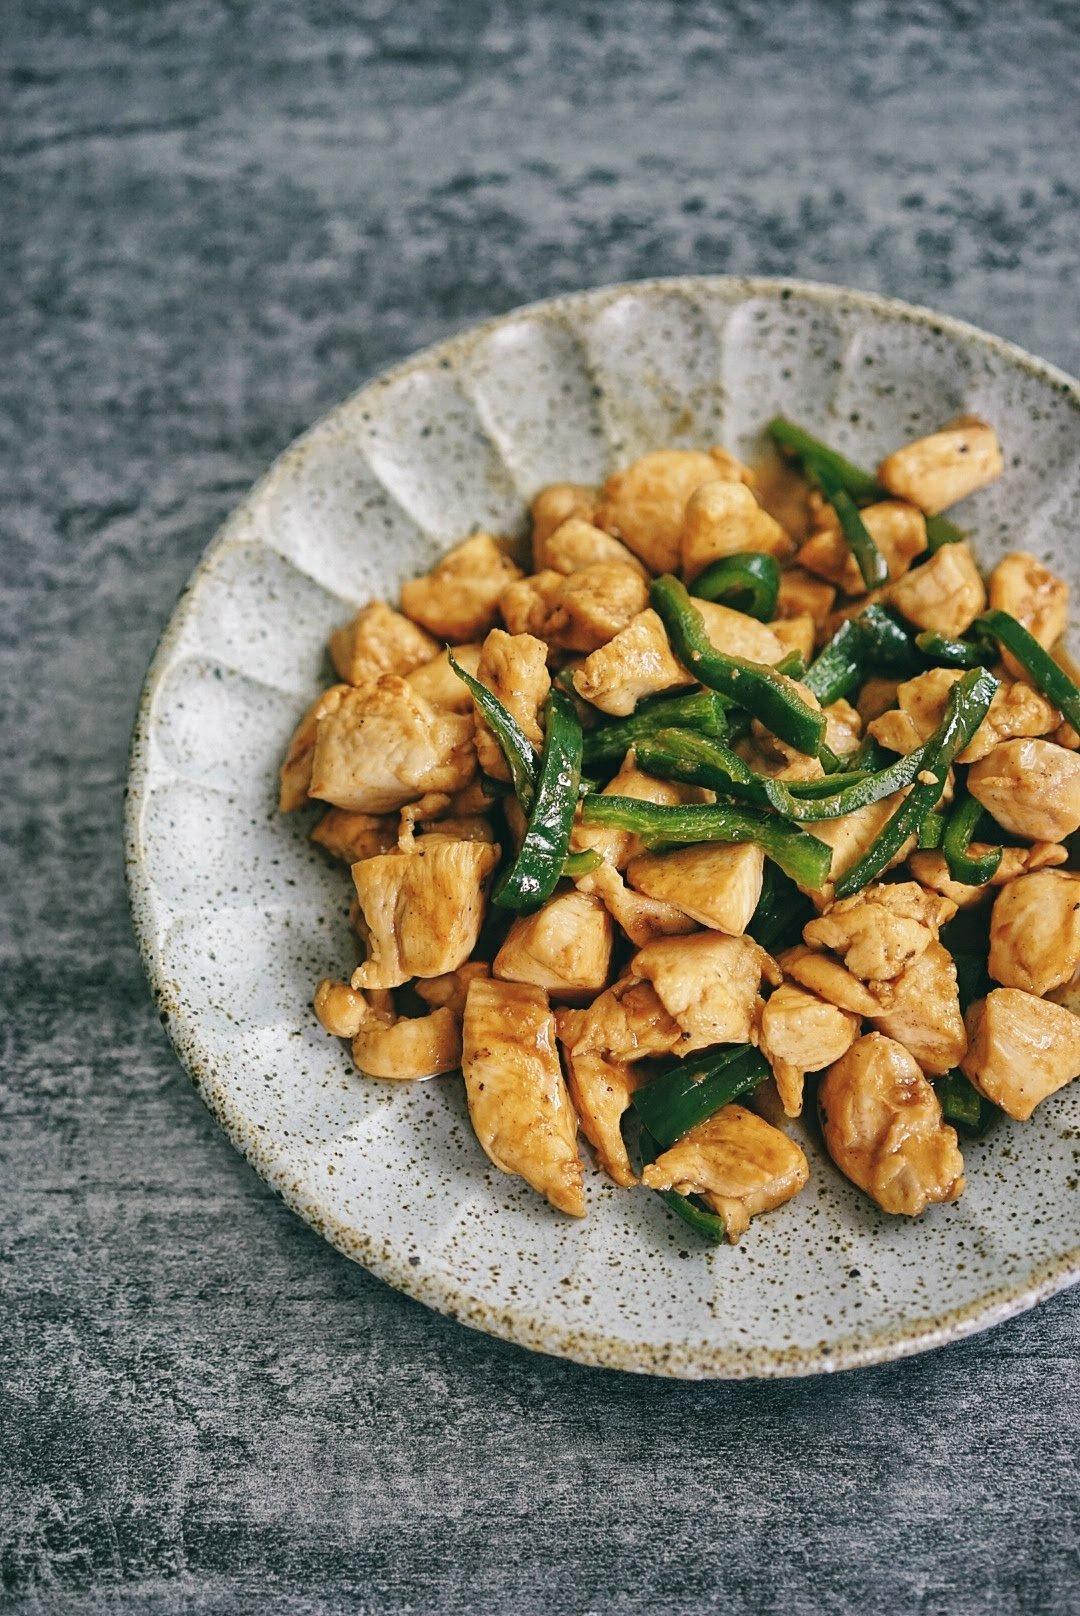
(693, 1211)
(953, 653)
(1051, 679)
(769, 696)
(962, 1104)
(968, 703)
(533, 875)
(889, 646)
(859, 484)
(932, 832)
(515, 745)
(798, 854)
(690, 1091)
(675, 755)
(857, 536)
(956, 841)
(782, 912)
(748, 582)
(702, 710)
(837, 670)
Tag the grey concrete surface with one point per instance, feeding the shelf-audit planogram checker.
(216, 220)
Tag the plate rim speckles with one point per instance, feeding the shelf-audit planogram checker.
(395, 1261)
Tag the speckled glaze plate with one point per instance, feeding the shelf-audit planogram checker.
(238, 915)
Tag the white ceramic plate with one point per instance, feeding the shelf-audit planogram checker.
(238, 915)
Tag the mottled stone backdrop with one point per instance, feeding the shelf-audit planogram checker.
(217, 219)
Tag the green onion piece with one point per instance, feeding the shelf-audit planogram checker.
(764, 693)
(955, 844)
(798, 854)
(792, 665)
(962, 1104)
(702, 710)
(748, 582)
(515, 745)
(948, 653)
(781, 913)
(533, 875)
(690, 1091)
(969, 701)
(872, 565)
(1049, 677)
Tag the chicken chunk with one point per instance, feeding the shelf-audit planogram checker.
(1022, 586)
(450, 990)
(801, 593)
(1015, 711)
(884, 1130)
(618, 847)
(642, 919)
(295, 777)
(897, 528)
(564, 946)
(921, 1010)
(945, 594)
(601, 1089)
(882, 930)
(518, 1101)
(737, 1162)
(635, 663)
(377, 641)
(1031, 787)
(716, 885)
(554, 505)
(593, 605)
(824, 976)
(514, 669)
(851, 834)
(578, 545)
(801, 1033)
(408, 1048)
(796, 634)
(383, 746)
(738, 635)
(526, 604)
(437, 682)
(723, 518)
(709, 984)
(352, 837)
(932, 869)
(459, 599)
(876, 697)
(627, 1023)
(645, 504)
(936, 471)
(843, 730)
(1035, 931)
(340, 1009)
(422, 909)
(1020, 1049)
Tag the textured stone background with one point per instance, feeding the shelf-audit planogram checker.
(217, 219)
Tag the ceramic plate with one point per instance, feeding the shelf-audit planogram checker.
(238, 915)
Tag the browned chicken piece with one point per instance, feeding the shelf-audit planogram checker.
(594, 605)
(945, 594)
(520, 1109)
(882, 930)
(884, 1130)
(514, 669)
(437, 682)
(876, 697)
(637, 662)
(618, 847)
(1015, 711)
(601, 1089)
(422, 909)
(1068, 994)
(461, 828)
(627, 1023)
(1031, 787)
(767, 755)
(844, 727)
(1035, 931)
(459, 599)
(352, 837)
(708, 983)
(473, 798)
(936, 471)
(554, 505)
(408, 1048)
(1022, 586)
(851, 834)
(449, 992)
(1020, 1049)
(825, 977)
(642, 919)
(738, 635)
(801, 593)
(644, 505)
(383, 746)
(578, 545)
(340, 1009)
(525, 604)
(565, 947)
(716, 885)
(737, 1162)
(931, 869)
(796, 634)
(723, 518)
(295, 777)
(783, 491)
(897, 528)
(921, 1010)
(801, 1033)
(377, 641)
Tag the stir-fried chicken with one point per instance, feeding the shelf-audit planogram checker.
(383, 1043)
(601, 1089)
(377, 641)
(932, 869)
(737, 1162)
(554, 505)
(514, 668)
(801, 594)
(352, 837)
(422, 909)
(383, 746)
(645, 504)
(437, 682)
(627, 1023)
(716, 885)
(1035, 931)
(709, 984)
(824, 976)
(641, 918)
(578, 545)
(936, 471)
(526, 604)
(635, 663)
(1015, 711)
(295, 776)
(723, 518)
(921, 1010)
(452, 989)
(1031, 787)
(617, 846)
(850, 835)
(897, 528)
(882, 930)
(1020, 1049)
(738, 635)
(591, 606)
(801, 1033)
(459, 599)
(564, 946)
(1022, 586)
(945, 594)
(883, 1128)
